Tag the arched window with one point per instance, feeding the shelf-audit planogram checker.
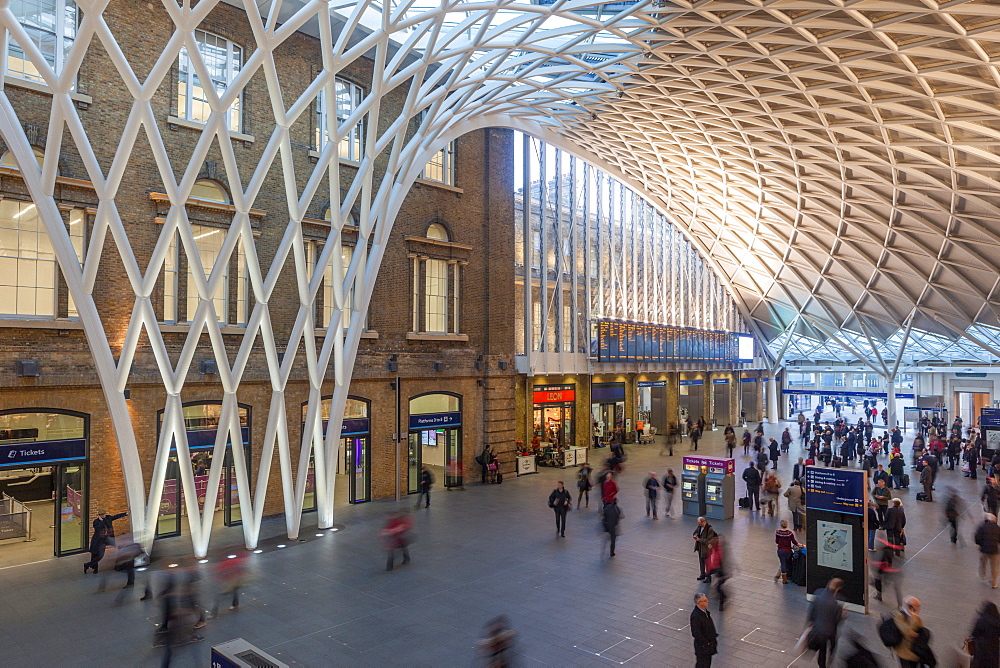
(209, 191)
(8, 158)
(437, 231)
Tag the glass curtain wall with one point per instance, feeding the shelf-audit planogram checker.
(596, 249)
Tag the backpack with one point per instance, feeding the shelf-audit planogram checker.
(889, 633)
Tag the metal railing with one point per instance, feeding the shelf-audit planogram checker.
(15, 519)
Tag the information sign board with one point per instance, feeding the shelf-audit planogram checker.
(836, 490)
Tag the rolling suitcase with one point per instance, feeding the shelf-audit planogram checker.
(744, 502)
(906, 481)
(797, 569)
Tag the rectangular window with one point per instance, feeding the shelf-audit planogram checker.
(209, 241)
(223, 60)
(441, 166)
(436, 296)
(348, 98)
(329, 276)
(170, 264)
(242, 286)
(27, 262)
(567, 327)
(51, 26)
(77, 231)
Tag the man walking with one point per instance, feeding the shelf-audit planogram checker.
(426, 480)
(751, 476)
(652, 486)
(775, 453)
(882, 496)
(560, 500)
(706, 643)
(703, 534)
(988, 540)
(669, 485)
(990, 496)
(825, 615)
(104, 535)
(897, 468)
(612, 516)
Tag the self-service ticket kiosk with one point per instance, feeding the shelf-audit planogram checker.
(692, 487)
(709, 487)
(720, 489)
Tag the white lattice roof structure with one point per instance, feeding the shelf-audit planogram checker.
(835, 161)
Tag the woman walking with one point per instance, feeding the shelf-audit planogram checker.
(794, 496)
(986, 637)
(772, 487)
(785, 540)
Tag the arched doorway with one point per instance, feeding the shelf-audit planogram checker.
(354, 464)
(44, 482)
(435, 438)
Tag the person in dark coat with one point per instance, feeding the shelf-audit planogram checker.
(611, 517)
(703, 535)
(560, 500)
(774, 452)
(986, 637)
(426, 480)
(894, 522)
(987, 537)
(751, 476)
(706, 643)
(104, 535)
(825, 615)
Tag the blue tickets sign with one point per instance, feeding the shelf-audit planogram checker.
(37, 452)
(836, 490)
(434, 420)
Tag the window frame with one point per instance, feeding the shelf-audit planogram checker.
(57, 34)
(355, 138)
(185, 78)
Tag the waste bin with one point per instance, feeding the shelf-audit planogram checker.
(238, 653)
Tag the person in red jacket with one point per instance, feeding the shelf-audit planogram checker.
(609, 490)
(395, 536)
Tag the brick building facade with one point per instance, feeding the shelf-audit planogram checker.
(472, 360)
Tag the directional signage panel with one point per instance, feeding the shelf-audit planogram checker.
(836, 490)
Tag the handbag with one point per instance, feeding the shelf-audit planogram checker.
(492, 466)
(902, 538)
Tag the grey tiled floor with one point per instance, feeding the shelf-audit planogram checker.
(481, 552)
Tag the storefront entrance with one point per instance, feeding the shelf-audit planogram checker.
(607, 407)
(435, 439)
(43, 484)
(354, 461)
(553, 415)
(691, 400)
(968, 404)
(201, 421)
(652, 402)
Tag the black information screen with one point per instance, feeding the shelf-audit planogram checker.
(623, 341)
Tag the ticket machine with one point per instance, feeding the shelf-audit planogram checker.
(720, 488)
(692, 486)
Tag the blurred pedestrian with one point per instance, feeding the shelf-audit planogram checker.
(886, 574)
(611, 518)
(669, 485)
(230, 578)
(706, 644)
(873, 525)
(985, 637)
(560, 501)
(716, 566)
(652, 487)
(988, 540)
(583, 484)
(895, 525)
(703, 534)
(498, 643)
(394, 537)
(730, 441)
(953, 509)
(426, 480)
(914, 650)
(772, 488)
(990, 496)
(825, 615)
(180, 616)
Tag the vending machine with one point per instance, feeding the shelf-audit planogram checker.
(692, 486)
(720, 488)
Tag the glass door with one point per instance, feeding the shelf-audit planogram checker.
(234, 515)
(71, 521)
(168, 521)
(453, 458)
(357, 465)
(413, 462)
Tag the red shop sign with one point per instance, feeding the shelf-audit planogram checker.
(554, 396)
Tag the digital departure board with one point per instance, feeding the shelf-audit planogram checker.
(623, 341)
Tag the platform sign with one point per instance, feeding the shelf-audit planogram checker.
(836, 529)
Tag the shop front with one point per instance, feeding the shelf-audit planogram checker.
(607, 407)
(44, 481)
(652, 403)
(435, 439)
(691, 399)
(353, 471)
(201, 424)
(553, 415)
(748, 398)
(720, 401)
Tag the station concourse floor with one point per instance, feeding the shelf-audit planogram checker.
(485, 551)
